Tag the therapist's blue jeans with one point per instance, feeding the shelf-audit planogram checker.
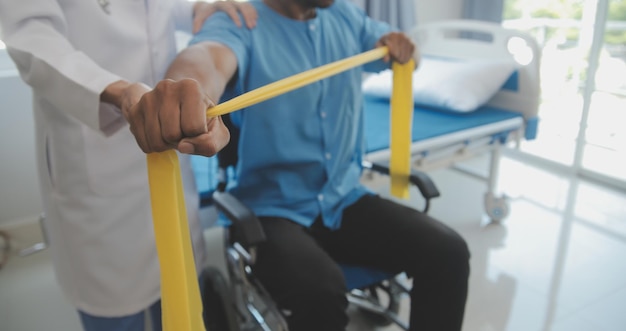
(134, 322)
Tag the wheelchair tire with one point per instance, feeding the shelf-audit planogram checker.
(218, 309)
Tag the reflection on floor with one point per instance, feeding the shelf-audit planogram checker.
(555, 264)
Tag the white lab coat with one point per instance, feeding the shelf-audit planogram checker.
(93, 175)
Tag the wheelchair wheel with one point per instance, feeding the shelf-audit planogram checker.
(218, 309)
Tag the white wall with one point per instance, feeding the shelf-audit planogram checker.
(19, 189)
(429, 11)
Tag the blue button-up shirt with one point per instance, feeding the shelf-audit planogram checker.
(299, 153)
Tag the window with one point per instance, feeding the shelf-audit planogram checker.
(583, 104)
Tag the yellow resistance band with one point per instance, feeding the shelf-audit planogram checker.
(401, 125)
(181, 303)
(294, 82)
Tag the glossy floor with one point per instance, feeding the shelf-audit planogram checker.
(557, 263)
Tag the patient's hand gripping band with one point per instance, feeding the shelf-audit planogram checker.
(180, 295)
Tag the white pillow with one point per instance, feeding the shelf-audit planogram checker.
(448, 84)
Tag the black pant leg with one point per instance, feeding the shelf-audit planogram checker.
(383, 234)
(301, 277)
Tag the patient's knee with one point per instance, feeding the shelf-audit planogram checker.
(449, 256)
(453, 256)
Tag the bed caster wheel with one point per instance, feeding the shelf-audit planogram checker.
(497, 208)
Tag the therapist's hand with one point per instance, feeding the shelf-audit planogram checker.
(202, 10)
(173, 115)
(401, 47)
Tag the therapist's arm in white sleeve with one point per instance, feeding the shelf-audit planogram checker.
(34, 32)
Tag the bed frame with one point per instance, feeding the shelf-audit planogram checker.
(463, 136)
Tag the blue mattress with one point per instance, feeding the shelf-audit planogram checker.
(427, 122)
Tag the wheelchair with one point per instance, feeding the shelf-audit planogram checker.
(234, 300)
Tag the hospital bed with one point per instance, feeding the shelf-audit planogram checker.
(476, 91)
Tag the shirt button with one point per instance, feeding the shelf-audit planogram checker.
(328, 156)
(320, 197)
(323, 114)
(312, 27)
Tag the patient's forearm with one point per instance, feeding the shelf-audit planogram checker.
(211, 65)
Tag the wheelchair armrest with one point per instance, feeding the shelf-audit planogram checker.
(418, 178)
(246, 227)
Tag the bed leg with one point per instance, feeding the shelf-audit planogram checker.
(497, 208)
